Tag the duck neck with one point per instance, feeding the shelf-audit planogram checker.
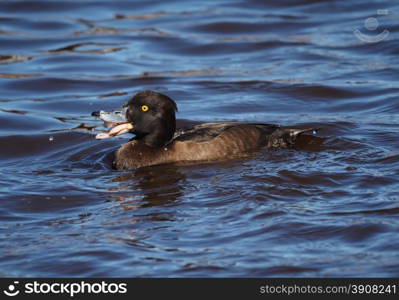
(158, 138)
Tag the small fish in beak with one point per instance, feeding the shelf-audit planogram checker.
(115, 119)
(117, 130)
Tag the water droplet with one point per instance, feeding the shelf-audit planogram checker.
(51, 138)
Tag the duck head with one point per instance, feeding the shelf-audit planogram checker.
(151, 116)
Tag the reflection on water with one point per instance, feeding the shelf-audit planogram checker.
(327, 208)
(157, 185)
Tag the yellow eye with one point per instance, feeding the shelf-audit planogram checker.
(144, 108)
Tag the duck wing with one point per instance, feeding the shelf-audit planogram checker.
(271, 136)
(208, 131)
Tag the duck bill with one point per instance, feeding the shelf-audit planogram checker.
(114, 116)
(116, 120)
